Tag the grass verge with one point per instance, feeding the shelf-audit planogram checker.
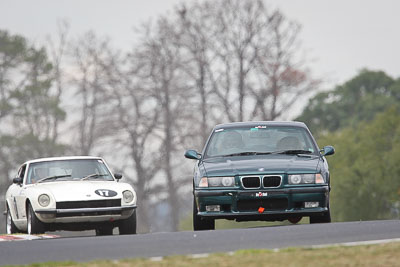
(365, 255)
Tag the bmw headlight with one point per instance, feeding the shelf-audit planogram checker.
(306, 179)
(44, 200)
(127, 196)
(217, 181)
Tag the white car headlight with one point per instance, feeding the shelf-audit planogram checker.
(127, 196)
(217, 181)
(306, 179)
(44, 200)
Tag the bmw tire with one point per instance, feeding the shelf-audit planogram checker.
(200, 224)
(325, 218)
(104, 230)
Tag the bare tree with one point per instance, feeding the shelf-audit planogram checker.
(137, 118)
(240, 28)
(283, 79)
(57, 50)
(248, 54)
(94, 121)
(196, 36)
(163, 63)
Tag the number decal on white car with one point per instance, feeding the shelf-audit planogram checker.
(105, 193)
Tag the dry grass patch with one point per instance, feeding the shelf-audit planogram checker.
(368, 255)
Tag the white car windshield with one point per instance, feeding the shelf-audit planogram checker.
(74, 169)
(260, 140)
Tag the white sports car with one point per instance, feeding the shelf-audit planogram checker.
(69, 193)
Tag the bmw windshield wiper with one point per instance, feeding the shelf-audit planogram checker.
(292, 152)
(53, 177)
(249, 153)
(94, 175)
(246, 154)
(239, 154)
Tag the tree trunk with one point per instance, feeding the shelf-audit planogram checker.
(168, 145)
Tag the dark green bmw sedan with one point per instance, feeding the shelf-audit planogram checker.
(260, 171)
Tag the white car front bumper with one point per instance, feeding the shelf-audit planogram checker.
(84, 214)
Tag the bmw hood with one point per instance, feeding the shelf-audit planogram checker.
(246, 165)
(84, 190)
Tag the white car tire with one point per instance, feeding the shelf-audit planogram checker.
(10, 226)
(128, 226)
(104, 230)
(35, 226)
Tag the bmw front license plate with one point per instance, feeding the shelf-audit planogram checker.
(261, 194)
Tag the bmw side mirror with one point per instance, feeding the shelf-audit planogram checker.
(192, 154)
(328, 150)
(17, 180)
(117, 176)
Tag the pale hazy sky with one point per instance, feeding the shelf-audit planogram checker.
(340, 37)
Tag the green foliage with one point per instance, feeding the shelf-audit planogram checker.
(355, 119)
(30, 109)
(365, 169)
(359, 99)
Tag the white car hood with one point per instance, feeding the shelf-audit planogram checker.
(82, 190)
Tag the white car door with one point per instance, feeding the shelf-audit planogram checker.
(19, 196)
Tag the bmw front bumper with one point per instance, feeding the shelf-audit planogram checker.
(262, 204)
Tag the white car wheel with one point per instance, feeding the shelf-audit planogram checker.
(10, 226)
(35, 226)
(8, 223)
(29, 227)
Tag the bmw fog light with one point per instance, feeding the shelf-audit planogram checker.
(44, 200)
(127, 196)
(311, 204)
(213, 208)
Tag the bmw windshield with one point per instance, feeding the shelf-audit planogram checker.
(242, 141)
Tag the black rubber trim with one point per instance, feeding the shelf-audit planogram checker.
(211, 193)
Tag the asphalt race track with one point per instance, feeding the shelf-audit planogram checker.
(163, 244)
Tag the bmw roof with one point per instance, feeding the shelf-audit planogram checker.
(260, 123)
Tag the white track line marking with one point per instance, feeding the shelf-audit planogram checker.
(359, 243)
(156, 258)
(198, 256)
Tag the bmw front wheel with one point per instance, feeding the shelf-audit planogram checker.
(199, 223)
